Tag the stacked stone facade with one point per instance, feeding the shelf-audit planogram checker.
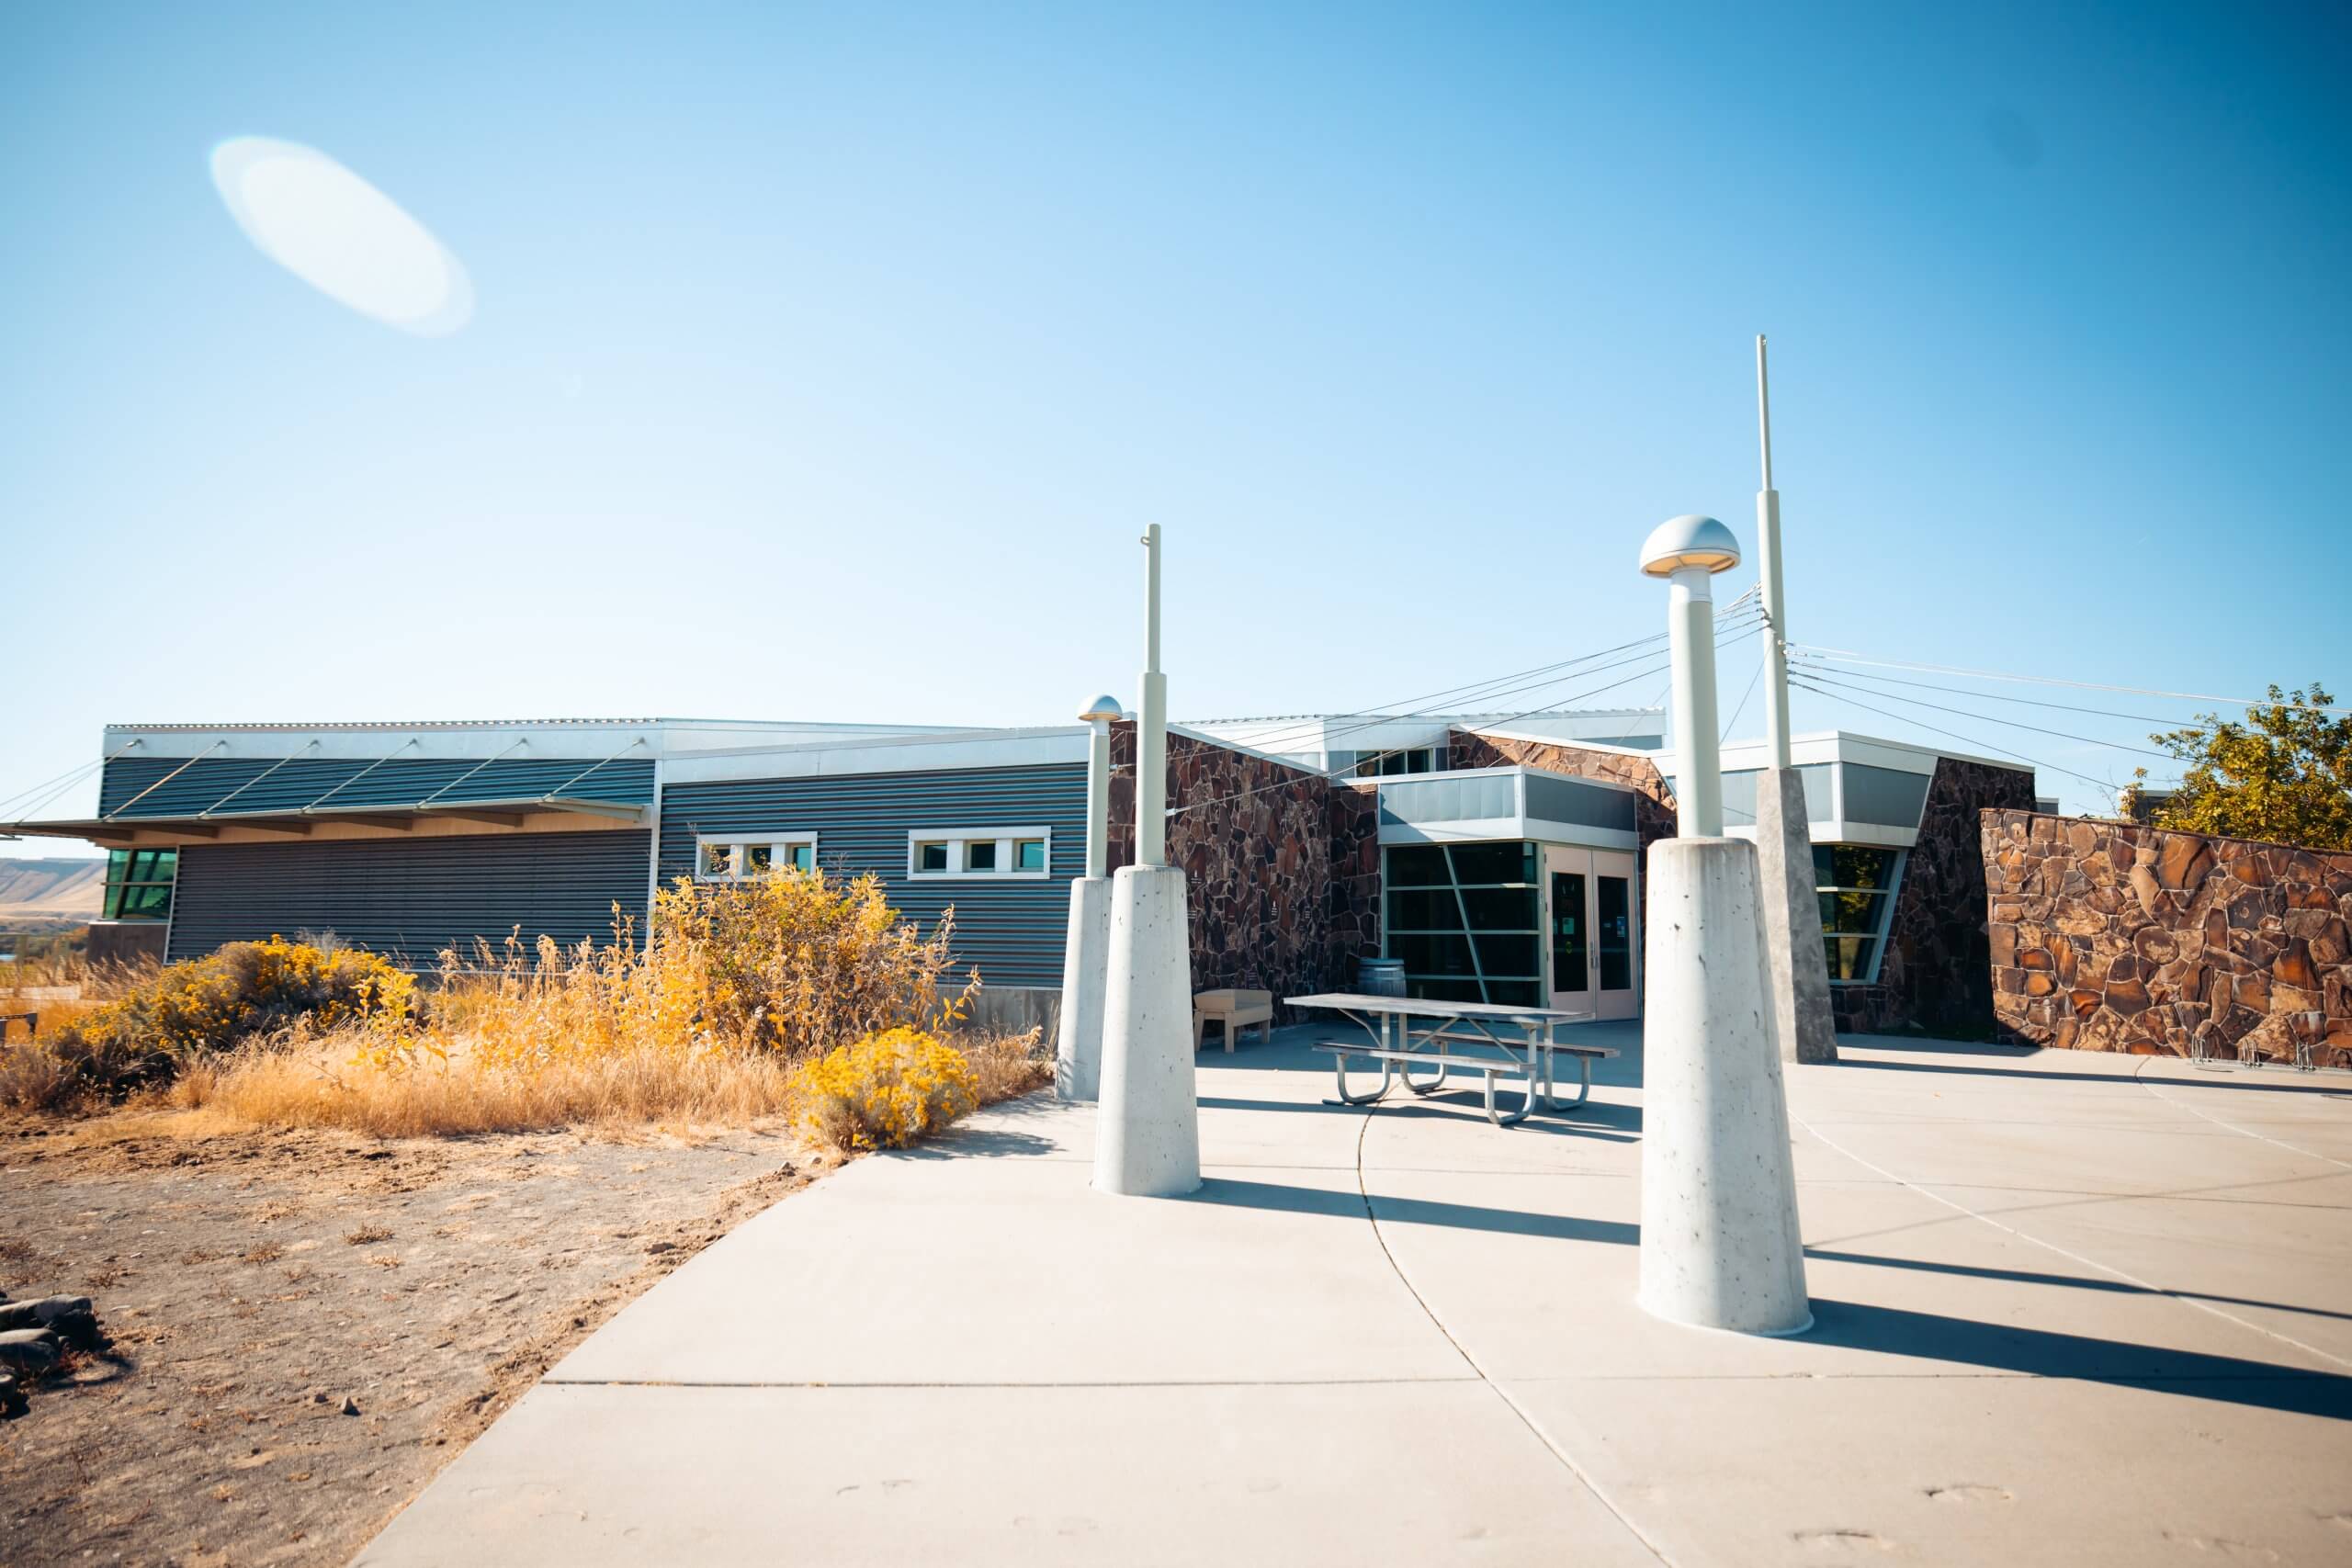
(1934, 972)
(1282, 865)
(2111, 936)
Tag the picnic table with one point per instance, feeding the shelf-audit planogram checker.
(1410, 1032)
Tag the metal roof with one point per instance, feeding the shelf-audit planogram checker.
(1467, 716)
(281, 726)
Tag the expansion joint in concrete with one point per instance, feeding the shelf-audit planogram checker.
(1534, 1427)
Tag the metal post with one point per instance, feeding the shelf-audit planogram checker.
(1767, 544)
(1151, 734)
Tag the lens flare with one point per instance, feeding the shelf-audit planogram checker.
(341, 235)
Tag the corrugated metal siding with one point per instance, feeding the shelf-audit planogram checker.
(1012, 930)
(401, 782)
(409, 898)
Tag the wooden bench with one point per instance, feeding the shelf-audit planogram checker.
(1237, 1010)
(1536, 1069)
(32, 1024)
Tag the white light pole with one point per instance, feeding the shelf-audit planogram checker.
(1768, 545)
(1803, 1028)
(1146, 1130)
(1151, 735)
(1688, 551)
(1720, 1243)
(1078, 1042)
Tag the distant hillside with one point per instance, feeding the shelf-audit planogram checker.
(50, 890)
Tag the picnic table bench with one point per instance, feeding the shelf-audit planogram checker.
(1399, 1047)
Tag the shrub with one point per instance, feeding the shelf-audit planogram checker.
(791, 964)
(885, 1091)
(801, 961)
(210, 1004)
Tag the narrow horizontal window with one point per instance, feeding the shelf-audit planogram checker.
(748, 857)
(982, 853)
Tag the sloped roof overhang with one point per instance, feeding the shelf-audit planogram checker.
(545, 813)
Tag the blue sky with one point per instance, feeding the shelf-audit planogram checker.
(827, 360)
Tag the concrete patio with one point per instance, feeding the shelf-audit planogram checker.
(2071, 1309)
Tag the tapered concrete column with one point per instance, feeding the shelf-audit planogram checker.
(1077, 1042)
(1720, 1241)
(1804, 1029)
(1148, 1133)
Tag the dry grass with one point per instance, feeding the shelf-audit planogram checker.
(320, 1084)
(1007, 1065)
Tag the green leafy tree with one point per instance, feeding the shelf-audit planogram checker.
(2284, 774)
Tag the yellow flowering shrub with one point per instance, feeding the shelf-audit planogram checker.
(213, 1003)
(885, 1090)
(803, 960)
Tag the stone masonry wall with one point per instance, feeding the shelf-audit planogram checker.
(2109, 936)
(1282, 866)
(1934, 972)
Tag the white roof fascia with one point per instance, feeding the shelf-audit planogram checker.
(1208, 737)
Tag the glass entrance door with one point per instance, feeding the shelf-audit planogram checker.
(1617, 990)
(1589, 914)
(1571, 929)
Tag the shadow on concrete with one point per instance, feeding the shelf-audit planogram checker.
(1860, 1326)
(983, 1142)
(2045, 1353)
(965, 1141)
(1610, 1123)
(1343, 1204)
(2070, 1282)
(2342, 1090)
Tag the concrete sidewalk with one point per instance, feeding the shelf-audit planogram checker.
(2071, 1309)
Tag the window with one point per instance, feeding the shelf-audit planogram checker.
(1465, 919)
(980, 852)
(747, 858)
(139, 884)
(1856, 884)
(1384, 764)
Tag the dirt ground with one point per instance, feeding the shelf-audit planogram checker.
(254, 1281)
